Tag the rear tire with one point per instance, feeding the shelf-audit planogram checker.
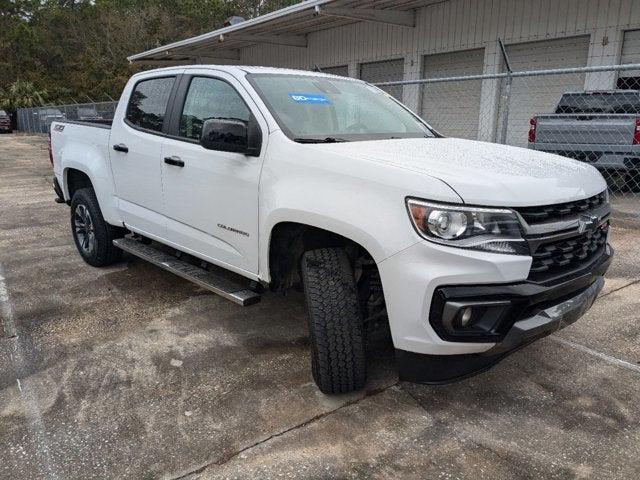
(92, 235)
(338, 361)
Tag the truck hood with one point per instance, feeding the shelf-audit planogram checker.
(482, 173)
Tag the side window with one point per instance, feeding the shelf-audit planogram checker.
(148, 103)
(209, 98)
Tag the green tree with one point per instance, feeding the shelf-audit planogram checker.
(21, 94)
(78, 48)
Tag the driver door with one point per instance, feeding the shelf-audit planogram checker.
(211, 197)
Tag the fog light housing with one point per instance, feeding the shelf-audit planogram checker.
(463, 318)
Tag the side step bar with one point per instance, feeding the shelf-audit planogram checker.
(200, 276)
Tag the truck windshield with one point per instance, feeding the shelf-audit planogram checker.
(600, 102)
(312, 109)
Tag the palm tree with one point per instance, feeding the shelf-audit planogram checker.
(21, 94)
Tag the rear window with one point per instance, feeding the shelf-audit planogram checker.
(600, 102)
(148, 103)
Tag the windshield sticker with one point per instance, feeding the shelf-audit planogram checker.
(310, 98)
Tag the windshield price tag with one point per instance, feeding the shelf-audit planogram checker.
(310, 98)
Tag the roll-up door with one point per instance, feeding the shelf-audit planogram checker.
(453, 108)
(385, 71)
(540, 94)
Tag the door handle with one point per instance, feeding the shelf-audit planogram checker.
(175, 161)
(121, 147)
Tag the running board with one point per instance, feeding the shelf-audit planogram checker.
(200, 276)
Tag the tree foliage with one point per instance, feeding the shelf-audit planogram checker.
(21, 94)
(77, 49)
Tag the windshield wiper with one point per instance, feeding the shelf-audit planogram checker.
(320, 140)
(403, 138)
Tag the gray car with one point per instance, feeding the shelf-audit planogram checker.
(87, 114)
(46, 116)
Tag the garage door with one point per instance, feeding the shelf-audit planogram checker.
(386, 71)
(452, 108)
(630, 54)
(341, 70)
(536, 95)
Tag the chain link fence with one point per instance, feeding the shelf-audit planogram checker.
(590, 114)
(39, 119)
(545, 110)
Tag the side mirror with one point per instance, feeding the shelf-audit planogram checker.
(232, 135)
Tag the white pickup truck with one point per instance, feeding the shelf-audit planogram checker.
(246, 178)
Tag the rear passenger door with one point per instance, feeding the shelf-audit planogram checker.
(211, 197)
(135, 146)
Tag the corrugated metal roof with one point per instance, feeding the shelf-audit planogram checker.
(296, 20)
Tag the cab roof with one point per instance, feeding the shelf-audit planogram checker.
(242, 69)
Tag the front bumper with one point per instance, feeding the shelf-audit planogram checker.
(547, 309)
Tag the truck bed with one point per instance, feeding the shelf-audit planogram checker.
(72, 140)
(103, 123)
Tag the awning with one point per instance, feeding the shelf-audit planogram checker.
(288, 26)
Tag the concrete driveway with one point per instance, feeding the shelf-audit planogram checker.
(131, 372)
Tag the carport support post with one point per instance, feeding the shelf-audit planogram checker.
(353, 70)
(411, 94)
(490, 93)
(506, 98)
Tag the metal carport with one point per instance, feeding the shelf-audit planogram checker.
(288, 26)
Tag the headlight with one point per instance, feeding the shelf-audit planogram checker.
(488, 229)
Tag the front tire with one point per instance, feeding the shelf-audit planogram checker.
(92, 235)
(338, 361)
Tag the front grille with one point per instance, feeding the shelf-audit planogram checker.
(561, 257)
(533, 215)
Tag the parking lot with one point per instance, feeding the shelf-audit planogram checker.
(131, 372)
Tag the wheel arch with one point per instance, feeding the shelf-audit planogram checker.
(288, 240)
(75, 179)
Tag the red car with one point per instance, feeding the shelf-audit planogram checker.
(5, 122)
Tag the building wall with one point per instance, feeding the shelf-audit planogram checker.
(463, 24)
(458, 25)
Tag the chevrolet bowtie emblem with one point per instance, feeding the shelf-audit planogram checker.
(587, 222)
